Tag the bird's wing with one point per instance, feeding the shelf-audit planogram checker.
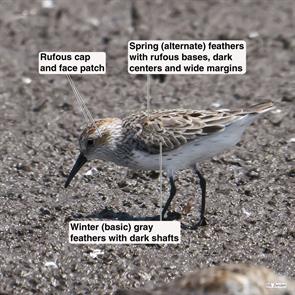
(174, 128)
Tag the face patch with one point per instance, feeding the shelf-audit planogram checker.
(91, 129)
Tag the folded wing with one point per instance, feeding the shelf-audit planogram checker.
(174, 128)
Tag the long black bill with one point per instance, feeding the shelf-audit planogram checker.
(79, 163)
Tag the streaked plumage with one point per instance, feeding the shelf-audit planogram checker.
(174, 128)
(187, 137)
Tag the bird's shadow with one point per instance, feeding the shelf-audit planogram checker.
(110, 214)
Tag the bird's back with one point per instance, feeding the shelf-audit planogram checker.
(175, 128)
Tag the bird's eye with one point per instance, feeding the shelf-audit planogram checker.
(90, 142)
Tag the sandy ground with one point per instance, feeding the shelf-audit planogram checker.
(250, 189)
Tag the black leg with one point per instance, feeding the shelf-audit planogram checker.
(172, 194)
(202, 220)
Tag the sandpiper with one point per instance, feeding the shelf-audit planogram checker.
(225, 279)
(187, 138)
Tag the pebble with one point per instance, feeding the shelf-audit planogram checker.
(50, 264)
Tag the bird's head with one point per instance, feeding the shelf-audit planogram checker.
(97, 142)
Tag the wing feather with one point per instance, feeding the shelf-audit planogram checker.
(174, 128)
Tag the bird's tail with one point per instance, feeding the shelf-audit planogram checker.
(260, 107)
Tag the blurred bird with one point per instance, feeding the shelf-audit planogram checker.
(228, 279)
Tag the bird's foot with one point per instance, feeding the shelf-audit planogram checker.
(201, 222)
(172, 216)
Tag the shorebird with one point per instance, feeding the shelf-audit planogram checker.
(187, 138)
(226, 279)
